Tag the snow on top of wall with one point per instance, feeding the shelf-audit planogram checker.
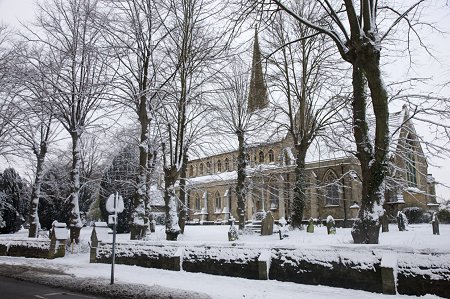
(41, 244)
(425, 264)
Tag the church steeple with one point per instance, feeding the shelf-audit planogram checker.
(257, 96)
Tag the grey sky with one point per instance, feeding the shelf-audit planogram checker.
(398, 68)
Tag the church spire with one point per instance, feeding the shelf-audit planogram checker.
(257, 96)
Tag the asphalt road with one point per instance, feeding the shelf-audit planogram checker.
(15, 289)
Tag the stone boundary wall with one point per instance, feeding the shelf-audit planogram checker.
(31, 248)
(369, 269)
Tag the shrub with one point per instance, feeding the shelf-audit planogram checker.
(417, 215)
(444, 215)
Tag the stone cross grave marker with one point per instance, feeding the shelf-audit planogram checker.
(331, 225)
(401, 221)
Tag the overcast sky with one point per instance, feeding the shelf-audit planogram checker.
(398, 68)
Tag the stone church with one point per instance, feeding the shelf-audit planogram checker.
(333, 184)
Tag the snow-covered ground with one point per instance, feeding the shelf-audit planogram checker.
(417, 238)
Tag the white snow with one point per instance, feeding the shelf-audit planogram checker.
(213, 239)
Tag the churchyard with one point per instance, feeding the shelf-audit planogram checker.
(414, 261)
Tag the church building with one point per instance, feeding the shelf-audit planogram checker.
(333, 181)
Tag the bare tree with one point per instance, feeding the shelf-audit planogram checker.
(234, 116)
(37, 129)
(135, 34)
(354, 30)
(303, 71)
(78, 74)
(193, 47)
(8, 108)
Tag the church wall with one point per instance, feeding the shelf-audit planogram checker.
(278, 174)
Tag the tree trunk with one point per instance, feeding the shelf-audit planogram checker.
(183, 195)
(299, 200)
(36, 193)
(75, 223)
(241, 175)
(372, 158)
(151, 162)
(139, 219)
(170, 200)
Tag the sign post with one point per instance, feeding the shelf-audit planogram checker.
(114, 205)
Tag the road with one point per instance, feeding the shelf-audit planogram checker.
(16, 289)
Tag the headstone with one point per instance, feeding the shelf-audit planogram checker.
(401, 221)
(153, 226)
(384, 223)
(435, 224)
(283, 230)
(267, 225)
(233, 233)
(310, 227)
(331, 225)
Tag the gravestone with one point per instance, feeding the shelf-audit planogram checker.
(233, 233)
(401, 221)
(283, 230)
(152, 226)
(58, 238)
(435, 224)
(331, 225)
(267, 225)
(384, 223)
(310, 227)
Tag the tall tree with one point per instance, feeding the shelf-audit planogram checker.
(135, 34)
(78, 72)
(193, 47)
(234, 116)
(354, 30)
(8, 107)
(303, 71)
(37, 128)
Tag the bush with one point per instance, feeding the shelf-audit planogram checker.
(417, 215)
(444, 215)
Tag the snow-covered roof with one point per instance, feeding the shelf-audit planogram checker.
(335, 142)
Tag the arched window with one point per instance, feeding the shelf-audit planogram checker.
(218, 202)
(208, 167)
(219, 166)
(332, 189)
(410, 161)
(261, 157)
(197, 203)
(227, 164)
(271, 156)
(201, 168)
(191, 170)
